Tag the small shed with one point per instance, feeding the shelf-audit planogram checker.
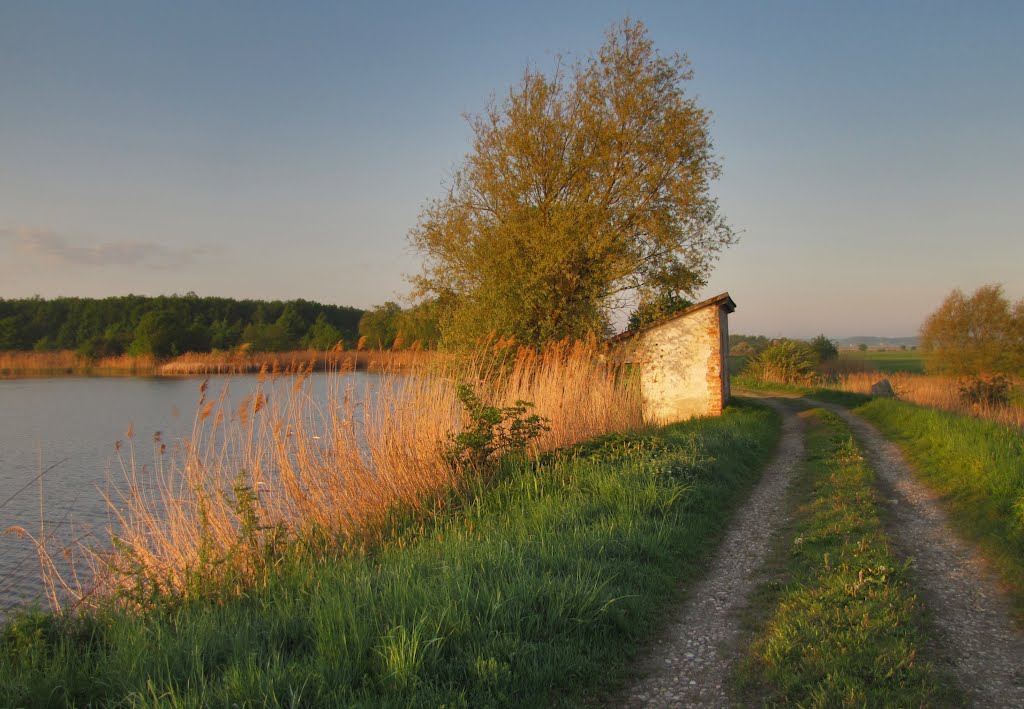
(683, 361)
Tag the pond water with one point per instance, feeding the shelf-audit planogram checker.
(57, 445)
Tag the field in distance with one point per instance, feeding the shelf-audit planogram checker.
(886, 360)
(850, 360)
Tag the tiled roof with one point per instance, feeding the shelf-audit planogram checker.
(718, 300)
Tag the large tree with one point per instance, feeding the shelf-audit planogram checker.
(978, 334)
(582, 187)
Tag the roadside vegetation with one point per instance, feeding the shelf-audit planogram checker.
(839, 624)
(981, 380)
(978, 468)
(518, 583)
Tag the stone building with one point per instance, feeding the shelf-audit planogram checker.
(683, 361)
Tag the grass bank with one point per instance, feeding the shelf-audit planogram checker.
(978, 468)
(840, 624)
(530, 588)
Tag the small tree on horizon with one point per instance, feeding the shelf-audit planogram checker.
(825, 348)
(785, 362)
(980, 334)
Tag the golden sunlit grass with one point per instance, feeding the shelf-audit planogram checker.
(287, 464)
(68, 362)
(243, 361)
(941, 392)
(39, 362)
(240, 361)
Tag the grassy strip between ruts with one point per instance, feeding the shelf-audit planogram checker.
(842, 626)
(531, 589)
(978, 468)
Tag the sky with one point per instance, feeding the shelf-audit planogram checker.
(872, 152)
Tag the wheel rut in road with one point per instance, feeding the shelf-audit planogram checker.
(977, 636)
(687, 665)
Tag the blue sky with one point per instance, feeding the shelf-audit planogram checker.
(873, 153)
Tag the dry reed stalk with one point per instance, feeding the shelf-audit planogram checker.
(69, 362)
(126, 363)
(25, 362)
(332, 464)
(844, 366)
(240, 361)
(244, 361)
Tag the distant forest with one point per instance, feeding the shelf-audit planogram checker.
(165, 326)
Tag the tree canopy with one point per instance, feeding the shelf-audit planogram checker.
(389, 326)
(978, 334)
(583, 187)
(655, 309)
(825, 348)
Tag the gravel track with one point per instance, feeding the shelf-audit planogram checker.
(978, 638)
(686, 666)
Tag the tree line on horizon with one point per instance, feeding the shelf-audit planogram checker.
(164, 326)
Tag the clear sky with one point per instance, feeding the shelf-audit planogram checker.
(873, 152)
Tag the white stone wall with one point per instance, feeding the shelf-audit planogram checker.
(681, 367)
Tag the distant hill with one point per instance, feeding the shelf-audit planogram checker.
(875, 341)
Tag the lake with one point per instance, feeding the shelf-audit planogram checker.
(57, 438)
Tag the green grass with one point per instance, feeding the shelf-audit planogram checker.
(737, 363)
(848, 399)
(840, 625)
(531, 589)
(752, 384)
(978, 468)
(889, 360)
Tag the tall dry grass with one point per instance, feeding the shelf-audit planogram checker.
(941, 392)
(243, 361)
(286, 465)
(124, 364)
(14, 363)
(240, 361)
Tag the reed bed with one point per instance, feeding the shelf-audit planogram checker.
(123, 364)
(16, 363)
(245, 362)
(192, 364)
(937, 391)
(286, 466)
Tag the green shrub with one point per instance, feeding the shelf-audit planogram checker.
(492, 431)
(785, 362)
(825, 348)
(992, 391)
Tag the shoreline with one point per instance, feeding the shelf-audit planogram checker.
(31, 365)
